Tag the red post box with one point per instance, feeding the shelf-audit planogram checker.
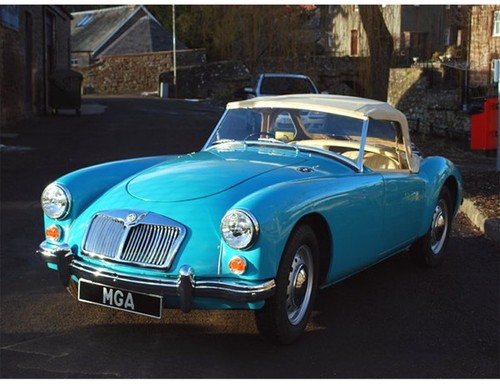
(484, 126)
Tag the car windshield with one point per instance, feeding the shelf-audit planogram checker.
(325, 131)
(285, 85)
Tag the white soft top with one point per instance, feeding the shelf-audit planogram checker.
(356, 107)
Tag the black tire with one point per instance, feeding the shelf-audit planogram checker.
(285, 315)
(430, 249)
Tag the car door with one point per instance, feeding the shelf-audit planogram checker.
(404, 191)
(356, 217)
(403, 208)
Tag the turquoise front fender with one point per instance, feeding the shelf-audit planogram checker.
(87, 184)
(343, 202)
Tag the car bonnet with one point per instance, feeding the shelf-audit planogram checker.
(205, 174)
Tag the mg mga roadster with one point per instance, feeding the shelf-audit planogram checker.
(290, 194)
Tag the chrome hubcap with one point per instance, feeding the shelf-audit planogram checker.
(299, 287)
(439, 227)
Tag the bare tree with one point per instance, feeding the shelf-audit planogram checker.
(381, 45)
(248, 33)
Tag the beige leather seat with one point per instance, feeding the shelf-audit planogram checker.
(373, 160)
(376, 161)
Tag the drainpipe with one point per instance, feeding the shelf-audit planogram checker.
(465, 90)
(496, 78)
(43, 103)
(174, 50)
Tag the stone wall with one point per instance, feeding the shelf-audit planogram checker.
(135, 73)
(430, 107)
(220, 80)
(419, 92)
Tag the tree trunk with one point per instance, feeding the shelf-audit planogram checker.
(380, 44)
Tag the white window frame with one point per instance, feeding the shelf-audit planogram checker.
(496, 24)
(447, 37)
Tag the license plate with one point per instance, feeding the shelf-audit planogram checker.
(122, 299)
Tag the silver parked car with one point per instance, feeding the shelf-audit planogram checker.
(272, 84)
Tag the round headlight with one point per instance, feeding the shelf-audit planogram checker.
(239, 229)
(55, 201)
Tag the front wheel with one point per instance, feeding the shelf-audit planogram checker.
(429, 250)
(285, 315)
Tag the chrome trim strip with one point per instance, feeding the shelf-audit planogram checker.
(364, 134)
(169, 286)
(341, 159)
(49, 251)
(238, 291)
(305, 149)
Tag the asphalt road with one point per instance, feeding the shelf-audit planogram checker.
(394, 320)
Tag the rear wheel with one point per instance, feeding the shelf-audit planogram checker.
(430, 249)
(285, 315)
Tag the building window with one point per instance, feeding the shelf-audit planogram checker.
(447, 37)
(496, 23)
(354, 42)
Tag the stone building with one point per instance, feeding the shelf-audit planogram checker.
(129, 29)
(35, 42)
(484, 43)
(418, 31)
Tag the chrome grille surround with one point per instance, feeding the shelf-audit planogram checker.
(133, 237)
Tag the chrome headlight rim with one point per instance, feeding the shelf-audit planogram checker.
(251, 223)
(46, 201)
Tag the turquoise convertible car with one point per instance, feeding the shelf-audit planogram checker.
(290, 194)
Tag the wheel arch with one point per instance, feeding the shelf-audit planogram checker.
(439, 173)
(452, 184)
(324, 237)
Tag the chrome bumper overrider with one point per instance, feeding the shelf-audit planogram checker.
(185, 285)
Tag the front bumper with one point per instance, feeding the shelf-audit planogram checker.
(185, 286)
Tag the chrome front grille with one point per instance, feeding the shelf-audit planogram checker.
(140, 238)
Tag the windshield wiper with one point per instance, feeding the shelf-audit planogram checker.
(271, 140)
(340, 137)
(222, 141)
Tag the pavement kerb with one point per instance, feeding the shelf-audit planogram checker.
(490, 227)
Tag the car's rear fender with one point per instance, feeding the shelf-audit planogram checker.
(439, 172)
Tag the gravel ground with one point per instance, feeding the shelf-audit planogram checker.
(478, 169)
